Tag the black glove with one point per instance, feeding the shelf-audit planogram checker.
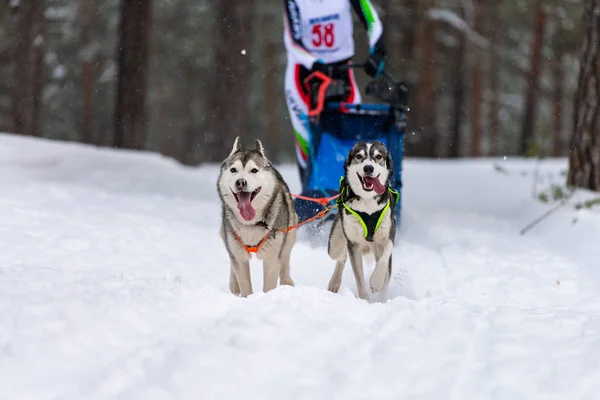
(318, 66)
(375, 61)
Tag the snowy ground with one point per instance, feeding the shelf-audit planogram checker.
(114, 285)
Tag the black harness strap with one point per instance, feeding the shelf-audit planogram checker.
(369, 222)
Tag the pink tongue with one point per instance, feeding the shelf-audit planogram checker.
(377, 186)
(246, 210)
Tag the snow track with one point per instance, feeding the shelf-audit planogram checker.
(114, 285)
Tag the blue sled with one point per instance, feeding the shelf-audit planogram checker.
(333, 134)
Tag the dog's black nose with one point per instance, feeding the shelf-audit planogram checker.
(368, 169)
(241, 184)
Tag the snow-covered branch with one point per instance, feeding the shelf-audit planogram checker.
(451, 18)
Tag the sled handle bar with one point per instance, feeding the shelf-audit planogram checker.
(326, 81)
(363, 65)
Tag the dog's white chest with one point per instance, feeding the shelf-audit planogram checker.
(356, 229)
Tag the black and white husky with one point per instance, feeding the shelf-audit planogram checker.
(256, 203)
(365, 221)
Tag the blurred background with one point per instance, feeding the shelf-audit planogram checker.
(181, 77)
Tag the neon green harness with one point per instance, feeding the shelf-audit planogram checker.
(369, 228)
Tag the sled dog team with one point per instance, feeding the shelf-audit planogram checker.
(258, 217)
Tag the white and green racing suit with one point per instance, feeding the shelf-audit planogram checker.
(321, 30)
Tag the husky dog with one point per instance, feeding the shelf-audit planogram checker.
(256, 203)
(365, 222)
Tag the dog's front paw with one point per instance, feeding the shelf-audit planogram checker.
(234, 286)
(334, 286)
(362, 293)
(377, 280)
(287, 281)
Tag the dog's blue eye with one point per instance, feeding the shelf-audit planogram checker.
(254, 170)
(233, 170)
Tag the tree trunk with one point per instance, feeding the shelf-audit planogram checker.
(495, 33)
(426, 104)
(401, 25)
(558, 94)
(130, 115)
(477, 89)
(458, 92)
(86, 14)
(409, 33)
(584, 160)
(531, 98)
(228, 105)
(88, 77)
(400, 30)
(558, 78)
(271, 94)
(29, 67)
(7, 65)
(189, 139)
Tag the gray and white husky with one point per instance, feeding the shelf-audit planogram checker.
(256, 203)
(365, 221)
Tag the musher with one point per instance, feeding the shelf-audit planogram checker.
(318, 36)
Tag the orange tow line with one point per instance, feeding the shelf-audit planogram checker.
(321, 200)
(320, 214)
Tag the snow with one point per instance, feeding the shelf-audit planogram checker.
(114, 285)
(39, 39)
(59, 72)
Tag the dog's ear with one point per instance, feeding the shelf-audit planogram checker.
(349, 158)
(237, 146)
(258, 147)
(390, 166)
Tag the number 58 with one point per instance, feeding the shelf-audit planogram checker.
(323, 34)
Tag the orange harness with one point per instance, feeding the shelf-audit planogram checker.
(320, 214)
(252, 249)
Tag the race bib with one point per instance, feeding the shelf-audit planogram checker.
(327, 30)
(323, 33)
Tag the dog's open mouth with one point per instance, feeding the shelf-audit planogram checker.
(244, 202)
(370, 183)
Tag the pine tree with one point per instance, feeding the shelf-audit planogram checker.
(130, 116)
(232, 79)
(28, 56)
(584, 160)
(533, 78)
